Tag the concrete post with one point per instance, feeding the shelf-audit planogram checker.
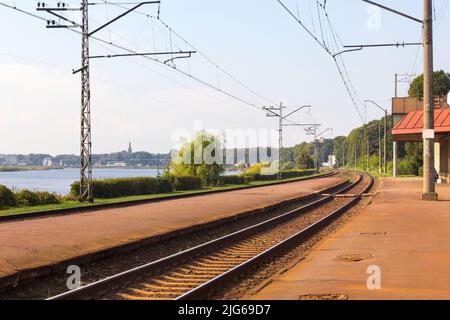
(429, 188)
(395, 155)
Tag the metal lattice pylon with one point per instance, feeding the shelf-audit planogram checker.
(85, 137)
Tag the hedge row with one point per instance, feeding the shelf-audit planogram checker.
(187, 183)
(285, 175)
(246, 178)
(236, 179)
(25, 198)
(124, 187)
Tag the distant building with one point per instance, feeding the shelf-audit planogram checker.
(47, 162)
(331, 161)
(130, 150)
(119, 164)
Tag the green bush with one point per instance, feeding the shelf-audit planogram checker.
(420, 171)
(7, 197)
(405, 168)
(256, 168)
(188, 183)
(48, 198)
(234, 179)
(165, 184)
(124, 187)
(27, 198)
(285, 175)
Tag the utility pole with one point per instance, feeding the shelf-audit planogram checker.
(366, 131)
(429, 187)
(343, 156)
(280, 143)
(428, 134)
(278, 112)
(313, 131)
(385, 132)
(85, 137)
(401, 78)
(395, 86)
(379, 148)
(86, 192)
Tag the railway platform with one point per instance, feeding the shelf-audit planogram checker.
(398, 247)
(39, 246)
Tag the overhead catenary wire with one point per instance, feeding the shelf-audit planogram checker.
(121, 86)
(197, 79)
(190, 76)
(23, 11)
(200, 52)
(252, 104)
(342, 70)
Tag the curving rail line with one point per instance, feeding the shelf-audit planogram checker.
(194, 273)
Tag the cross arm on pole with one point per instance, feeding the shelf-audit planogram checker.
(323, 132)
(348, 50)
(122, 15)
(271, 112)
(394, 11)
(377, 105)
(298, 125)
(296, 110)
(58, 15)
(140, 54)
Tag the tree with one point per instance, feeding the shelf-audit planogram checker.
(289, 165)
(303, 158)
(339, 147)
(414, 155)
(202, 157)
(441, 85)
(327, 149)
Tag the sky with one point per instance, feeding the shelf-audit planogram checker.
(147, 103)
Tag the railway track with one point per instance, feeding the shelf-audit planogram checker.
(196, 272)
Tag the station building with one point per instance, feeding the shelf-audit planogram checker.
(407, 117)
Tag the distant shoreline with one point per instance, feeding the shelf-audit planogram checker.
(27, 168)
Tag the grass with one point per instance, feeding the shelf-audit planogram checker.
(76, 204)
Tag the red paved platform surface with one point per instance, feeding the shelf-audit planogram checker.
(407, 238)
(45, 241)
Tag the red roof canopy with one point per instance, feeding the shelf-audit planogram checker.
(412, 123)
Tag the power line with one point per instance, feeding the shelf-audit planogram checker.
(235, 97)
(121, 47)
(23, 11)
(190, 75)
(121, 86)
(171, 30)
(342, 70)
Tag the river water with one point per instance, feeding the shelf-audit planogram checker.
(59, 181)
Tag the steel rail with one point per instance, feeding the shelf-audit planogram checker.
(154, 268)
(302, 235)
